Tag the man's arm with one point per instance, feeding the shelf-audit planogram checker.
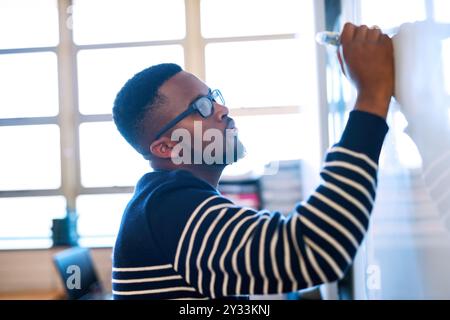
(228, 250)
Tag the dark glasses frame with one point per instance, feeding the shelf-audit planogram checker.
(197, 106)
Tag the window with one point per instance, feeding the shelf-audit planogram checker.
(30, 141)
(23, 16)
(26, 221)
(106, 158)
(100, 215)
(106, 21)
(102, 72)
(238, 68)
(268, 17)
(60, 148)
(263, 68)
(30, 157)
(29, 83)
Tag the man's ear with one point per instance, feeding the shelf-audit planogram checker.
(162, 148)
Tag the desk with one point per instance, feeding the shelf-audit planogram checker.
(33, 295)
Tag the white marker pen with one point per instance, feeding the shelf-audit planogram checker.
(330, 38)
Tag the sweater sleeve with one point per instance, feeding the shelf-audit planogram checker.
(224, 250)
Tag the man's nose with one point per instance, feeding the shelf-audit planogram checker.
(221, 111)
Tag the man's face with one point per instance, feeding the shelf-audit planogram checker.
(213, 140)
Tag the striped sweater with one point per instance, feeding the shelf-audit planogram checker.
(181, 239)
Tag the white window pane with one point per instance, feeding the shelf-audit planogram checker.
(101, 73)
(106, 158)
(260, 73)
(254, 17)
(106, 21)
(28, 85)
(30, 157)
(270, 138)
(28, 23)
(442, 10)
(100, 215)
(43, 243)
(29, 217)
(390, 14)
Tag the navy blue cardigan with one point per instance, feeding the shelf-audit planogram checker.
(181, 239)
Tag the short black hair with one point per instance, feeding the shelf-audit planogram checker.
(136, 98)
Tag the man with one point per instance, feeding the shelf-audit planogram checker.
(180, 238)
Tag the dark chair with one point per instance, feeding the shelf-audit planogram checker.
(77, 262)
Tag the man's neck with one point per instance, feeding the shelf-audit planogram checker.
(209, 173)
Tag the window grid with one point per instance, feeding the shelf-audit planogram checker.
(69, 117)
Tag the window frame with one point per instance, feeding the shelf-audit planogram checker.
(69, 117)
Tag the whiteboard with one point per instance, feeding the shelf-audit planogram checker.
(406, 254)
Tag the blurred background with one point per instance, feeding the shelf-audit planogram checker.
(66, 174)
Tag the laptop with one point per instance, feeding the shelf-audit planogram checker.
(78, 275)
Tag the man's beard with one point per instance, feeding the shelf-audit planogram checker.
(213, 147)
(232, 150)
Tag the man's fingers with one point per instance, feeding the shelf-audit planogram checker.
(385, 38)
(348, 32)
(361, 33)
(374, 34)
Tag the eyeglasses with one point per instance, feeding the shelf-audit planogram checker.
(203, 105)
